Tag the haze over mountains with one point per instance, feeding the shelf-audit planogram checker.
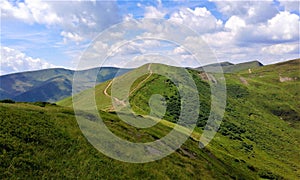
(55, 84)
(50, 84)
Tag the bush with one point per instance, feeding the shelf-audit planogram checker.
(43, 104)
(247, 147)
(7, 101)
(231, 130)
(268, 175)
(236, 91)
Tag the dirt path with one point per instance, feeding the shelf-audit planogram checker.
(121, 102)
(116, 99)
(149, 69)
(105, 90)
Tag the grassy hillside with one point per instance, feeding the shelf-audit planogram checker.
(50, 84)
(261, 125)
(258, 138)
(43, 141)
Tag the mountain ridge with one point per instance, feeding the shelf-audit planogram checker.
(228, 67)
(17, 85)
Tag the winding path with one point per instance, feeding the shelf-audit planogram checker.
(122, 101)
(149, 69)
(195, 135)
(105, 90)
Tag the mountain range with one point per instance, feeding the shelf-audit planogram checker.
(51, 84)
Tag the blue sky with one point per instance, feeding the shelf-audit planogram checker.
(44, 34)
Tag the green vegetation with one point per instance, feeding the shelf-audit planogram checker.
(46, 142)
(258, 138)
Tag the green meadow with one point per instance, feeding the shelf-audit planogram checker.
(257, 139)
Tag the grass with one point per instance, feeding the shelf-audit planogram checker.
(258, 138)
(46, 142)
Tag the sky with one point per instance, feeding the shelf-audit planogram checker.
(46, 34)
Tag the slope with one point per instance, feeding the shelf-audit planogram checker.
(260, 130)
(261, 123)
(50, 90)
(44, 140)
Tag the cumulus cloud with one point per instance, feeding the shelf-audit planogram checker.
(153, 12)
(79, 20)
(278, 49)
(13, 60)
(234, 29)
(71, 36)
(125, 49)
(85, 19)
(30, 12)
(179, 50)
(250, 11)
(273, 39)
(199, 19)
(283, 27)
(235, 23)
(220, 39)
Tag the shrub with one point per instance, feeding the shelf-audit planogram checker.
(7, 101)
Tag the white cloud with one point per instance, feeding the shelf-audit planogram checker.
(199, 19)
(246, 29)
(30, 12)
(179, 50)
(79, 20)
(13, 60)
(219, 39)
(100, 46)
(281, 28)
(280, 49)
(250, 11)
(152, 12)
(71, 36)
(246, 40)
(140, 46)
(229, 8)
(128, 17)
(86, 19)
(235, 23)
(151, 58)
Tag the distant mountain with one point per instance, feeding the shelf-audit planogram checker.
(223, 64)
(51, 90)
(51, 84)
(230, 67)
